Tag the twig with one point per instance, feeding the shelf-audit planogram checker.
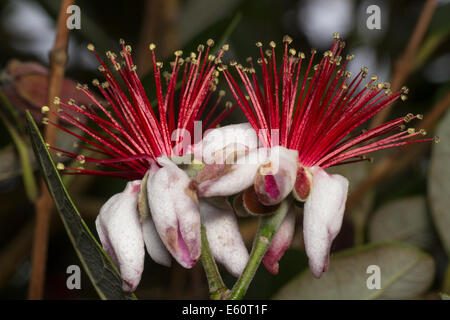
(405, 63)
(400, 159)
(44, 205)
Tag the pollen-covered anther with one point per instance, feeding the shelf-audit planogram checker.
(436, 139)
(419, 116)
(388, 92)
(56, 100)
(301, 55)
(228, 104)
(90, 47)
(152, 46)
(292, 52)
(45, 120)
(350, 57)
(423, 132)
(374, 78)
(200, 47)
(272, 44)
(387, 85)
(210, 42)
(211, 57)
(403, 97)
(45, 109)
(81, 159)
(178, 53)
(226, 47)
(336, 35)
(60, 166)
(405, 90)
(411, 130)
(287, 39)
(258, 44)
(71, 102)
(313, 51)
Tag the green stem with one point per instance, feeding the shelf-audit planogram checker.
(268, 226)
(217, 289)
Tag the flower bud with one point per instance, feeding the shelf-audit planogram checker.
(322, 217)
(275, 179)
(280, 242)
(175, 212)
(120, 233)
(225, 240)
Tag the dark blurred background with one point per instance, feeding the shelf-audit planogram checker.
(27, 31)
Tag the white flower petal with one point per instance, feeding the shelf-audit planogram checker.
(121, 235)
(275, 180)
(155, 247)
(280, 242)
(235, 137)
(225, 240)
(228, 179)
(322, 217)
(175, 213)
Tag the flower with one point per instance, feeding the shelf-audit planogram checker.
(158, 209)
(314, 119)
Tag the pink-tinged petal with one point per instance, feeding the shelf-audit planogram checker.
(120, 233)
(220, 142)
(322, 217)
(175, 212)
(228, 179)
(225, 240)
(280, 242)
(275, 179)
(153, 243)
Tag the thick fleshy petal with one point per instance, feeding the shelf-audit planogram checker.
(322, 217)
(153, 243)
(225, 240)
(120, 233)
(175, 212)
(220, 142)
(228, 179)
(280, 242)
(275, 179)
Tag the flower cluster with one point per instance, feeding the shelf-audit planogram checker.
(298, 125)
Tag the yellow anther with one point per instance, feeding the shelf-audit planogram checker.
(60, 166)
(56, 100)
(152, 46)
(336, 35)
(45, 109)
(272, 44)
(178, 53)
(90, 47)
(287, 39)
(258, 44)
(226, 47)
(403, 97)
(210, 42)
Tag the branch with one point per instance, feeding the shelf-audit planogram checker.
(405, 63)
(44, 205)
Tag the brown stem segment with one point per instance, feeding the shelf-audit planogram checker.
(44, 205)
(405, 63)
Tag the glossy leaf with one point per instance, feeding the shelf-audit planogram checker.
(405, 272)
(101, 271)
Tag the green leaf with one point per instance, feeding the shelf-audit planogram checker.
(403, 220)
(101, 271)
(405, 271)
(439, 182)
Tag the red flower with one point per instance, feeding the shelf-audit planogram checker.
(128, 133)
